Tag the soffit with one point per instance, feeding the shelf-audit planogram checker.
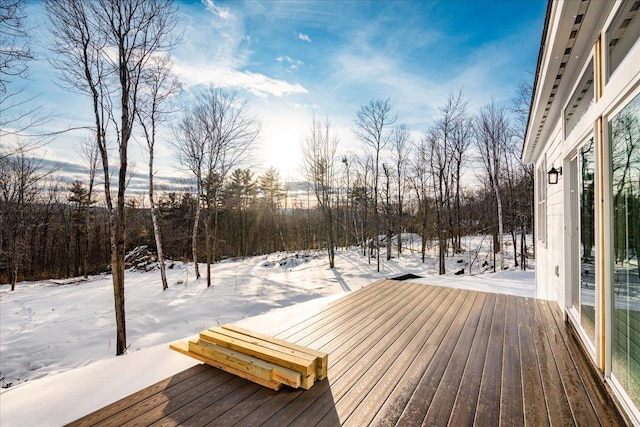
(571, 32)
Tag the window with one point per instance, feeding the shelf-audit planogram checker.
(622, 34)
(542, 202)
(586, 251)
(624, 145)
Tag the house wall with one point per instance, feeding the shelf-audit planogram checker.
(556, 147)
(549, 248)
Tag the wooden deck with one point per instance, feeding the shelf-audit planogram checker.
(403, 354)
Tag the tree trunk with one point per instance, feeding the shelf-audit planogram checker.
(514, 240)
(207, 244)
(523, 249)
(117, 274)
(85, 258)
(76, 255)
(156, 228)
(330, 238)
(500, 226)
(215, 235)
(194, 235)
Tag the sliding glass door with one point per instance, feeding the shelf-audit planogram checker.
(583, 289)
(624, 140)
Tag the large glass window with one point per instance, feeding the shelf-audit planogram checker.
(541, 230)
(624, 139)
(623, 33)
(587, 240)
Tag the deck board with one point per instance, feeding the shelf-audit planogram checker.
(401, 353)
(488, 407)
(556, 400)
(511, 403)
(535, 407)
(464, 408)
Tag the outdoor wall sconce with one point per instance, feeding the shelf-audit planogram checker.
(553, 174)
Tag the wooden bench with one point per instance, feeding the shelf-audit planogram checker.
(265, 360)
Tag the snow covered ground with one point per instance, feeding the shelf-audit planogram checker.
(57, 337)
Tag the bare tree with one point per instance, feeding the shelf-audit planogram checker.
(160, 86)
(439, 169)
(361, 197)
(461, 140)
(492, 135)
(191, 144)
(440, 141)
(215, 136)
(520, 105)
(15, 52)
(102, 48)
(89, 152)
(273, 195)
(18, 112)
(348, 216)
(421, 183)
(20, 176)
(372, 121)
(387, 208)
(319, 151)
(401, 143)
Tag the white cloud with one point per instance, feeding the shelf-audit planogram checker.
(293, 63)
(256, 83)
(304, 37)
(221, 12)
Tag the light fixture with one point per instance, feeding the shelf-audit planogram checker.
(553, 174)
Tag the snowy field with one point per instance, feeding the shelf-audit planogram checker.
(57, 338)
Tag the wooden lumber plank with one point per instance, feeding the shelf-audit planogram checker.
(323, 358)
(387, 341)
(265, 344)
(244, 366)
(277, 354)
(511, 403)
(308, 381)
(139, 396)
(244, 363)
(464, 407)
(535, 407)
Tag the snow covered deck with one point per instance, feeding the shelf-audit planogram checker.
(401, 353)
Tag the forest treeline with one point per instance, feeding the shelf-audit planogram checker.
(55, 229)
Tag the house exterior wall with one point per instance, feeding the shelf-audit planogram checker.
(554, 138)
(548, 249)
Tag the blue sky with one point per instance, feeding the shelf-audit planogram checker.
(292, 58)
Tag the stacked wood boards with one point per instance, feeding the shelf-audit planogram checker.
(265, 360)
